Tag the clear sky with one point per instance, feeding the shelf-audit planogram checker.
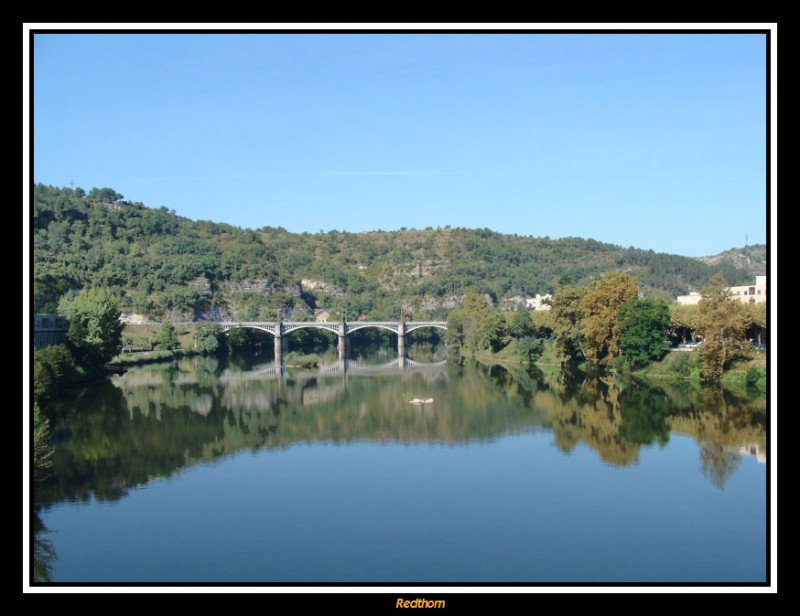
(651, 140)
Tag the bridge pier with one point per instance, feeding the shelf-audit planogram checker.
(281, 342)
(342, 346)
(401, 339)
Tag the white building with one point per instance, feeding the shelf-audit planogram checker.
(747, 294)
(689, 300)
(751, 294)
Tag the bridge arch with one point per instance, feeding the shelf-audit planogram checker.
(354, 327)
(414, 325)
(321, 325)
(270, 329)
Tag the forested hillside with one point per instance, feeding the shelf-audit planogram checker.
(164, 266)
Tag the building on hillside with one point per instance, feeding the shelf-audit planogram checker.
(322, 316)
(747, 294)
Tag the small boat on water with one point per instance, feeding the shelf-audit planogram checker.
(419, 401)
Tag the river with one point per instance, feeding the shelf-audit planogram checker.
(215, 470)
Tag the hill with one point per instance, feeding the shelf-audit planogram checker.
(165, 266)
(750, 258)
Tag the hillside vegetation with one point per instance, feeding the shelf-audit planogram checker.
(164, 266)
(750, 258)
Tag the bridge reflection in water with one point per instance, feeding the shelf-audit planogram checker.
(277, 369)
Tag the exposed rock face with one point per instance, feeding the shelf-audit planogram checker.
(432, 303)
(258, 285)
(313, 284)
(213, 313)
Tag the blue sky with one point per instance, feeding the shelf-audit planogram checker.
(656, 141)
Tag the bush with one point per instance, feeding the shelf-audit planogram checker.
(756, 378)
(681, 362)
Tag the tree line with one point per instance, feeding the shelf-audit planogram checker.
(609, 325)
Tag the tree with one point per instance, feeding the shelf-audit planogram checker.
(52, 367)
(599, 307)
(208, 337)
(529, 349)
(454, 336)
(95, 330)
(565, 315)
(643, 326)
(483, 327)
(722, 323)
(167, 340)
(521, 324)
(106, 195)
(683, 320)
(42, 452)
(756, 321)
(475, 326)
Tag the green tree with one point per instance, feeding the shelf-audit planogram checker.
(209, 337)
(643, 327)
(599, 307)
(239, 339)
(95, 330)
(683, 321)
(483, 327)
(722, 323)
(565, 320)
(106, 195)
(167, 339)
(521, 324)
(44, 383)
(52, 367)
(474, 326)
(42, 452)
(756, 315)
(454, 336)
(529, 349)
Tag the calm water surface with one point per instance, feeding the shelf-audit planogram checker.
(207, 471)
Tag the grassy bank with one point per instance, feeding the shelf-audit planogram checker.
(145, 337)
(149, 357)
(748, 375)
(683, 366)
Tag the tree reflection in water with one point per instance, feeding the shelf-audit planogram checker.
(155, 420)
(43, 554)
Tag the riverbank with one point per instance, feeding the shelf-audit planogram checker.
(748, 375)
(139, 358)
(684, 366)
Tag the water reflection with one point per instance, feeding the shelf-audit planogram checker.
(44, 554)
(157, 419)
